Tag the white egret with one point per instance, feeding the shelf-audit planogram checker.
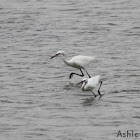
(78, 62)
(90, 83)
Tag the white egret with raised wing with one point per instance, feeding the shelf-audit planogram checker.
(79, 62)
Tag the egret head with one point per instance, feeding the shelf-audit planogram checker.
(83, 80)
(58, 53)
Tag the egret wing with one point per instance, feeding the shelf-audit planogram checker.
(94, 81)
(82, 61)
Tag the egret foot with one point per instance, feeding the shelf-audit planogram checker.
(101, 95)
(71, 75)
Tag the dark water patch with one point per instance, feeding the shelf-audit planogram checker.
(85, 94)
(117, 123)
(6, 101)
(68, 117)
(116, 102)
(117, 75)
(63, 108)
(112, 24)
(136, 107)
(134, 75)
(132, 91)
(88, 101)
(83, 12)
(35, 134)
(41, 129)
(122, 96)
(115, 92)
(69, 10)
(136, 117)
(9, 129)
(23, 107)
(71, 86)
(91, 101)
(136, 27)
(132, 34)
(92, 32)
(115, 57)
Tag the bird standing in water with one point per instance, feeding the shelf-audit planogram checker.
(90, 83)
(78, 62)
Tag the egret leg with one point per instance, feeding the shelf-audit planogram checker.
(71, 75)
(87, 73)
(93, 93)
(99, 88)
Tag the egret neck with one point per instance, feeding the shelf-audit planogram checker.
(65, 56)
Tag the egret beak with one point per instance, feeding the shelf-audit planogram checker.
(80, 82)
(54, 55)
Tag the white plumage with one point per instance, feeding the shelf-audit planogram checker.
(90, 83)
(79, 62)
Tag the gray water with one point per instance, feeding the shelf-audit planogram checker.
(37, 99)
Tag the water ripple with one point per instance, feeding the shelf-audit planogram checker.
(37, 99)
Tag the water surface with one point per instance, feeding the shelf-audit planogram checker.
(37, 99)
